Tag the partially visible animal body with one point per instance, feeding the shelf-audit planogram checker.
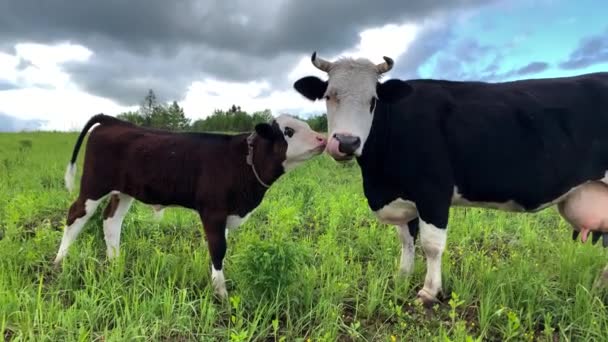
(223, 177)
(586, 209)
(426, 145)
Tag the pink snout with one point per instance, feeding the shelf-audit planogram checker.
(342, 146)
(321, 142)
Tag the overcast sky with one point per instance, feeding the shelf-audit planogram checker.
(63, 61)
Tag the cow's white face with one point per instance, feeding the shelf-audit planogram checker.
(302, 142)
(351, 94)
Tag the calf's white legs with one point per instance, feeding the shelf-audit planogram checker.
(112, 224)
(80, 212)
(219, 282)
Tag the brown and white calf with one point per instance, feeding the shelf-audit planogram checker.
(223, 177)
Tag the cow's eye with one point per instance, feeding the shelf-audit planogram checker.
(372, 105)
(289, 131)
(326, 97)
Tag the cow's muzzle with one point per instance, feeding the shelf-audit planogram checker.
(343, 146)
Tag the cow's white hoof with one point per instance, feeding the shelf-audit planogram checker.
(405, 269)
(221, 293)
(426, 298)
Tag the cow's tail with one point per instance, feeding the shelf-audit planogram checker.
(70, 172)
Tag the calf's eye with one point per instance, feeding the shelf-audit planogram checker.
(289, 131)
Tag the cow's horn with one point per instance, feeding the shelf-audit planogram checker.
(385, 66)
(320, 63)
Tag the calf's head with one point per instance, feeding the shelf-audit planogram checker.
(351, 94)
(293, 139)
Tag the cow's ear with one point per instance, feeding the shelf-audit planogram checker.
(265, 130)
(311, 87)
(393, 90)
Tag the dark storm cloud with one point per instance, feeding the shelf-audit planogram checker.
(590, 50)
(165, 45)
(12, 124)
(532, 68)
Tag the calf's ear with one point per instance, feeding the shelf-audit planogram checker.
(311, 87)
(265, 130)
(393, 90)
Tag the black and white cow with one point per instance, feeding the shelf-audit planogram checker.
(425, 145)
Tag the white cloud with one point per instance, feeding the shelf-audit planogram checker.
(63, 109)
(204, 97)
(47, 92)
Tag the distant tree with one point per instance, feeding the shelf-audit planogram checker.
(146, 109)
(234, 119)
(177, 118)
(133, 117)
(318, 123)
(154, 114)
(261, 116)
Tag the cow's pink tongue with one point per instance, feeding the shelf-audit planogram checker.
(584, 234)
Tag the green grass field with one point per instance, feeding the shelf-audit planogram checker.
(311, 264)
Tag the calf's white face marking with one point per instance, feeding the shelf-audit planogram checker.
(302, 142)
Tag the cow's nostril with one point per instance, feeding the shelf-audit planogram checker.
(348, 144)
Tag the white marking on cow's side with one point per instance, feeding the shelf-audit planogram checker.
(397, 212)
(219, 282)
(112, 226)
(70, 233)
(69, 177)
(433, 241)
(459, 200)
(510, 205)
(302, 145)
(406, 266)
(605, 179)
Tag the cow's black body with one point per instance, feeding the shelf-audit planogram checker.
(527, 141)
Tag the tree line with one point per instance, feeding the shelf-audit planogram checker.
(151, 113)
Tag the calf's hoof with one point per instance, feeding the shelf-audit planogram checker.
(426, 298)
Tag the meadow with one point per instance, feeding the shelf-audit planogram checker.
(311, 264)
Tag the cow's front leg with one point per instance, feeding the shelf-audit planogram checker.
(433, 241)
(407, 234)
(215, 225)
